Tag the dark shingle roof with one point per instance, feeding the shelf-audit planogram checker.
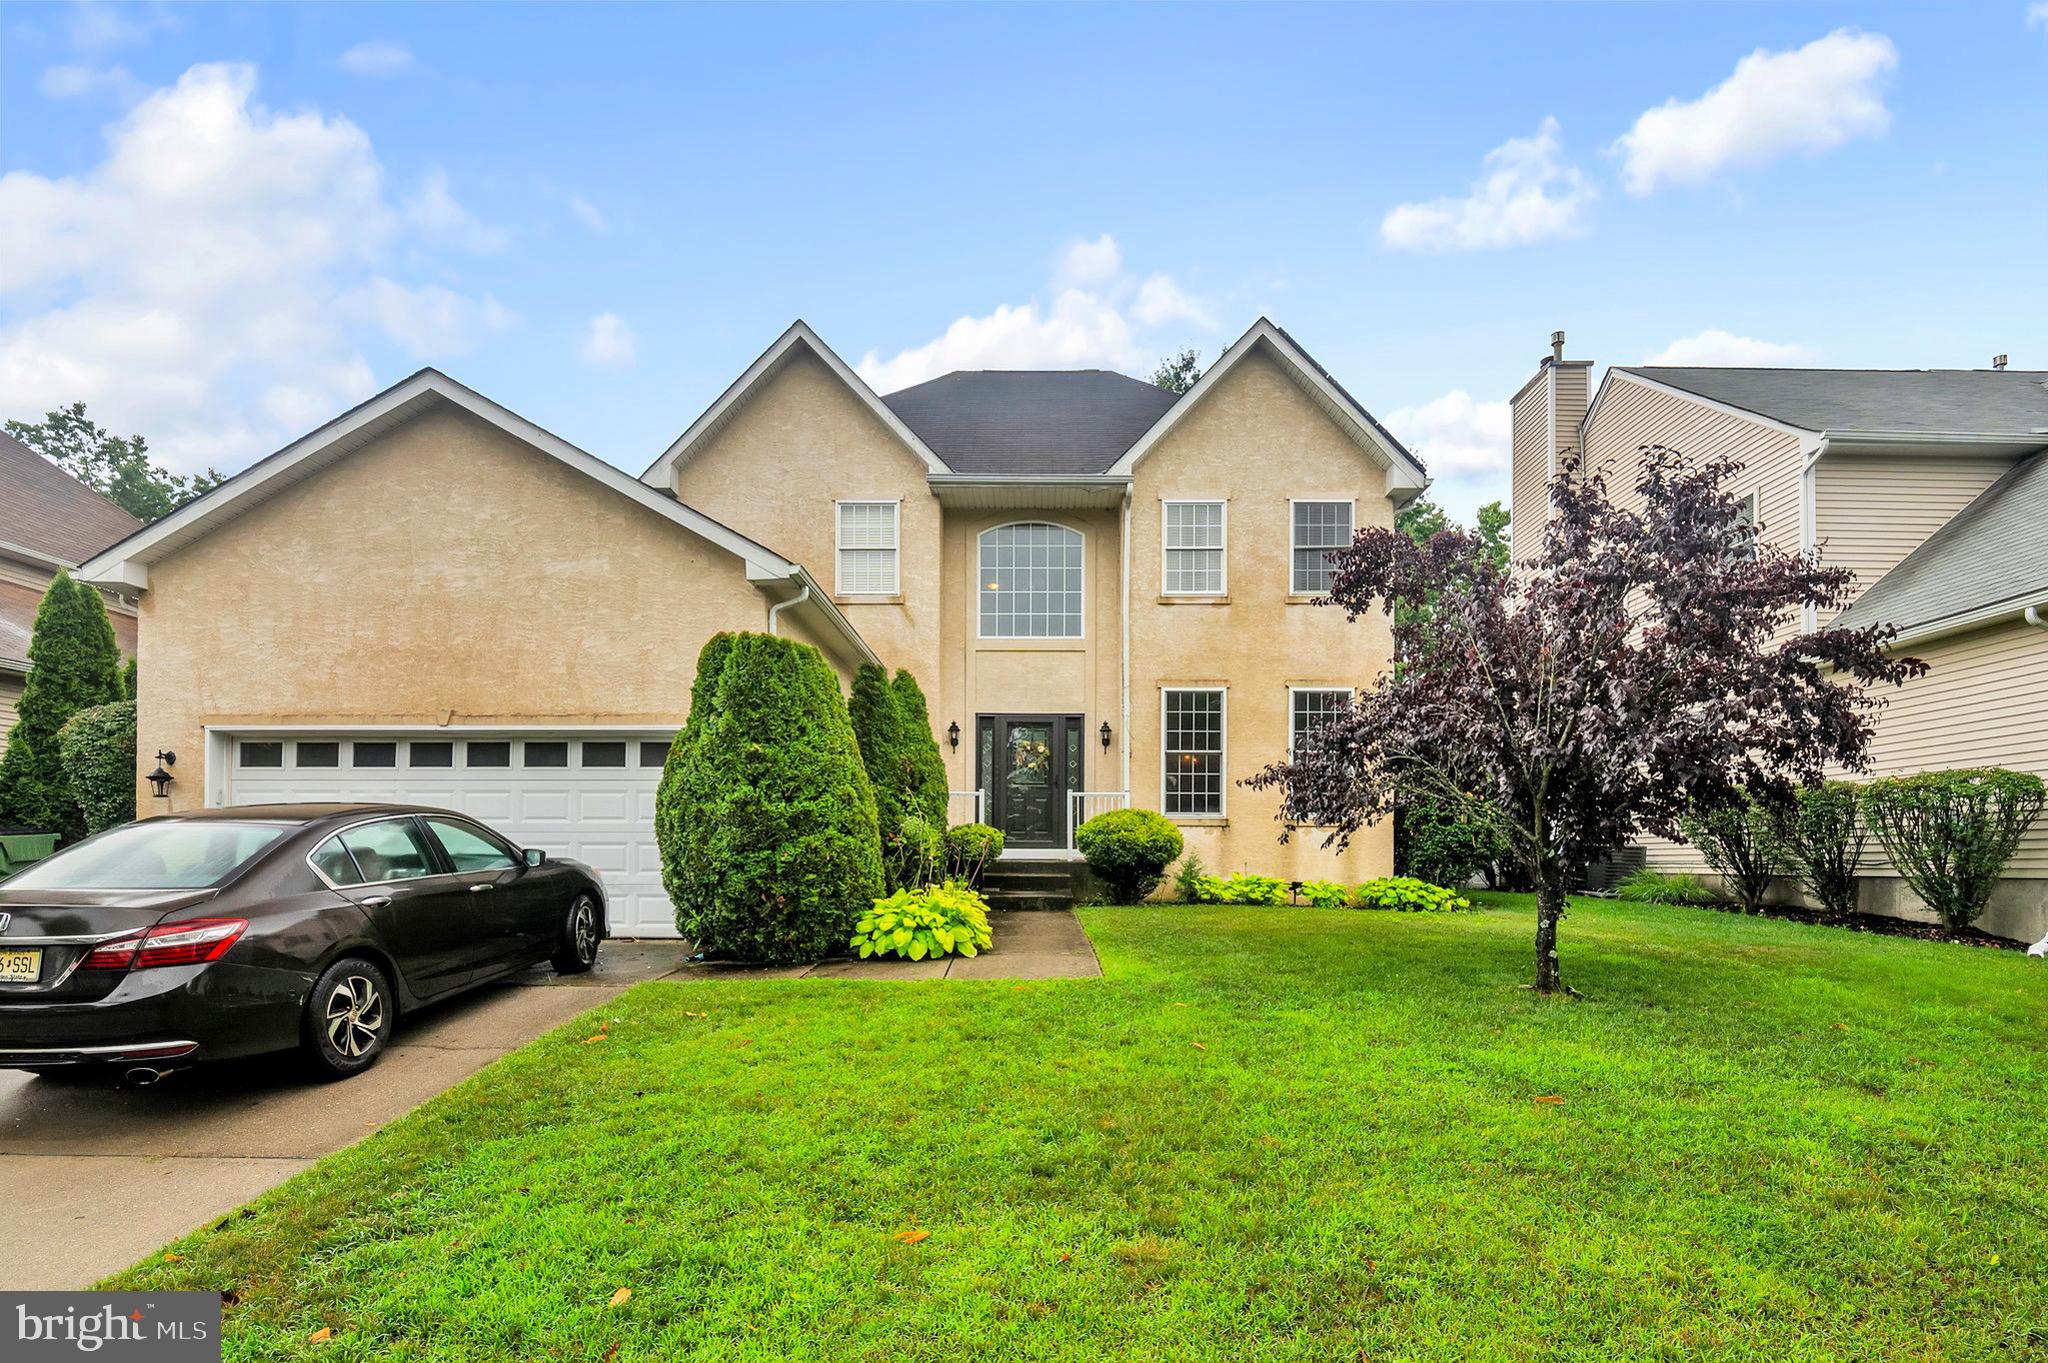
(1993, 551)
(1030, 422)
(45, 509)
(1954, 401)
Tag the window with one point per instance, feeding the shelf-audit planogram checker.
(156, 854)
(1308, 707)
(604, 754)
(373, 754)
(317, 754)
(264, 754)
(1194, 548)
(469, 848)
(1746, 527)
(1192, 724)
(654, 754)
(490, 753)
(1319, 527)
(332, 860)
(430, 754)
(867, 540)
(547, 754)
(1031, 582)
(388, 850)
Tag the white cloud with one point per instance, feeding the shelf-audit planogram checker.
(1161, 300)
(96, 26)
(586, 212)
(209, 282)
(1714, 346)
(609, 342)
(434, 209)
(376, 57)
(1088, 264)
(1808, 100)
(1456, 437)
(73, 81)
(1525, 193)
(2037, 15)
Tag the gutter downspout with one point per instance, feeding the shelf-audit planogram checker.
(1124, 666)
(779, 607)
(2035, 618)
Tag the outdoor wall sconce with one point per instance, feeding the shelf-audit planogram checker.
(1104, 733)
(160, 780)
(953, 735)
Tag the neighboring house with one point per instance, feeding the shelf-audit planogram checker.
(1932, 485)
(48, 521)
(1105, 590)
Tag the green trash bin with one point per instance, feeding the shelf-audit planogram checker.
(18, 849)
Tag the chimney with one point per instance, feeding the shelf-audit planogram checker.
(1557, 346)
(1998, 361)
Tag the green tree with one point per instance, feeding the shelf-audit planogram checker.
(927, 766)
(130, 680)
(73, 663)
(98, 747)
(120, 469)
(1178, 373)
(671, 802)
(780, 840)
(878, 729)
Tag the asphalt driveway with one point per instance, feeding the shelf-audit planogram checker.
(97, 1175)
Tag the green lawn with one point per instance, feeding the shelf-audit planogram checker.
(1264, 1134)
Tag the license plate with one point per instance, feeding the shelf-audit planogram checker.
(21, 965)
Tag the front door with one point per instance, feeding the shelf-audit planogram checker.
(1031, 762)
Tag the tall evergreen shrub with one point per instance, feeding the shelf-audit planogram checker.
(671, 803)
(73, 663)
(98, 747)
(927, 767)
(878, 729)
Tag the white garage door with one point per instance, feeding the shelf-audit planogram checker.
(589, 796)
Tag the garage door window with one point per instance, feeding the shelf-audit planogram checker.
(430, 754)
(468, 849)
(374, 754)
(316, 754)
(654, 754)
(488, 754)
(391, 850)
(547, 754)
(604, 754)
(265, 754)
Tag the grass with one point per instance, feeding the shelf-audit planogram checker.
(1264, 1134)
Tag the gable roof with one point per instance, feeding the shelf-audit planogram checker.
(49, 513)
(1405, 474)
(799, 338)
(2007, 402)
(1991, 555)
(1030, 423)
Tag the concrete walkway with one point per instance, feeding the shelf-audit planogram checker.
(1047, 945)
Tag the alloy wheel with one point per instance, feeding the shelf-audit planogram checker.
(355, 1016)
(583, 930)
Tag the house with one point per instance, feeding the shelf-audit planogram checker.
(1932, 485)
(48, 521)
(1106, 591)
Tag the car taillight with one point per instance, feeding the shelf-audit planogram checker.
(192, 942)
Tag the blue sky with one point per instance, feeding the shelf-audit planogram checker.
(222, 224)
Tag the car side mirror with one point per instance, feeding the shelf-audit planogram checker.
(534, 856)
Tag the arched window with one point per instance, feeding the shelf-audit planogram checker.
(1030, 582)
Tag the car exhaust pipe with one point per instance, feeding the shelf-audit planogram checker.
(143, 1076)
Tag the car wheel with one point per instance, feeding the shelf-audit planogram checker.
(349, 1017)
(580, 936)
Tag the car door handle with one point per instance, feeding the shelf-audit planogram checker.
(479, 889)
(377, 901)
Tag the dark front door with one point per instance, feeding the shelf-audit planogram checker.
(1031, 762)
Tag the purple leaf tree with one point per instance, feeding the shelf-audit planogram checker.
(1647, 656)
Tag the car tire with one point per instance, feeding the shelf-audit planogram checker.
(582, 931)
(349, 1017)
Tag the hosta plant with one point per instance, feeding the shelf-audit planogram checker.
(937, 920)
(1408, 895)
(1241, 888)
(1325, 894)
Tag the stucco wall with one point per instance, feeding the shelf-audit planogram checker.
(1256, 441)
(444, 573)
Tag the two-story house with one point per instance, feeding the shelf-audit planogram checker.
(49, 521)
(1106, 590)
(1932, 485)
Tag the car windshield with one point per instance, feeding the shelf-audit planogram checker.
(154, 855)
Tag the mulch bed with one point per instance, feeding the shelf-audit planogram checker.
(1885, 926)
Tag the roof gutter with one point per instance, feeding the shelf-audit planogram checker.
(811, 594)
(2033, 613)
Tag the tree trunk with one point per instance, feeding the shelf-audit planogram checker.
(1549, 909)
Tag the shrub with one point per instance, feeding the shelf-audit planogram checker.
(98, 744)
(925, 768)
(1130, 849)
(914, 855)
(1406, 894)
(1325, 894)
(674, 805)
(781, 850)
(1658, 887)
(74, 664)
(1445, 843)
(938, 920)
(1188, 878)
(1240, 888)
(130, 679)
(1823, 836)
(878, 728)
(1739, 839)
(969, 850)
(1950, 833)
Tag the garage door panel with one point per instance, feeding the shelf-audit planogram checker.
(602, 805)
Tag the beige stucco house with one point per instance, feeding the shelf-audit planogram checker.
(1932, 485)
(1106, 590)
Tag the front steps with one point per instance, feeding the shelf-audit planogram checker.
(1030, 885)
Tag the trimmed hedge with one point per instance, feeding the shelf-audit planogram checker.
(1739, 839)
(1823, 836)
(98, 744)
(781, 850)
(1950, 833)
(74, 664)
(970, 847)
(672, 803)
(1130, 849)
(925, 774)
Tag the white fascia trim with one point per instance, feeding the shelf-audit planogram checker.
(661, 472)
(834, 619)
(402, 729)
(2013, 607)
(1811, 452)
(1089, 481)
(1404, 479)
(35, 556)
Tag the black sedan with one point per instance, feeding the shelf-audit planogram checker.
(232, 932)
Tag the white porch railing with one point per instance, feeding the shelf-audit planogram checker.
(968, 800)
(1083, 805)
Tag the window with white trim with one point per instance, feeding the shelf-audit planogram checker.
(1194, 538)
(1192, 727)
(1030, 582)
(1319, 527)
(868, 536)
(1309, 706)
(1746, 527)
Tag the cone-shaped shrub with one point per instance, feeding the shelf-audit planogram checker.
(671, 803)
(781, 852)
(926, 776)
(98, 745)
(878, 728)
(74, 663)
